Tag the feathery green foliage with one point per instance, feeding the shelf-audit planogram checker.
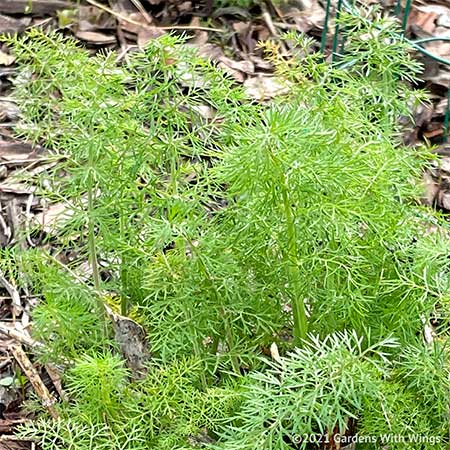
(316, 389)
(230, 225)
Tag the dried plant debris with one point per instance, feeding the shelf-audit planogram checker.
(433, 21)
(304, 15)
(33, 376)
(132, 341)
(11, 25)
(33, 7)
(437, 181)
(12, 443)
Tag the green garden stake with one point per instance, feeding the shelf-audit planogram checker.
(447, 117)
(406, 12)
(325, 27)
(336, 31)
(398, 8)
(344, 38)
(417, 44)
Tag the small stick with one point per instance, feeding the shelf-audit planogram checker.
(268, 19)
(15, 297)
(19, 337)
(55, 376)
(288, 26)
(13, 437)
(41, 390)
(276, 9)
(5, 228)
(142, 10)
(28, 217)
(269, 23)
(5, 363)
(135, 22)
(124, 52)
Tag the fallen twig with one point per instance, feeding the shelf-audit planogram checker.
(14, 293)
(33, 376)
(13, 437)
(55, 375)
(150, 27)
(19, 337)
(28, 217)
(8, 425)
(270, 25)
(35, 7)
(142, 10)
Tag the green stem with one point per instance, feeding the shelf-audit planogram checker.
(298, 306)
(197, 350)
(92, 248)
(230, 340)
(229, 335)
(215, 345)
(91, 232)
(124, 270)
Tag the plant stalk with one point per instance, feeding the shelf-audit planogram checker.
(91, 234)
(298, 306)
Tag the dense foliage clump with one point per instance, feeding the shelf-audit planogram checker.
(226, 226)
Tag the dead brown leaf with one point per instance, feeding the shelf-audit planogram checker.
(135, 23)
(6, 59)
(54, 215)
(306, 14)
(33, 7)
(265, 88)
(237, 69)
(423, 18)
(18, 150)
(132, 341)
(11, 444)
(95, 37)
(11, 187)
(91, 18)
(440, 78)
(148, 34)
(8, 111)
(9, 25)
